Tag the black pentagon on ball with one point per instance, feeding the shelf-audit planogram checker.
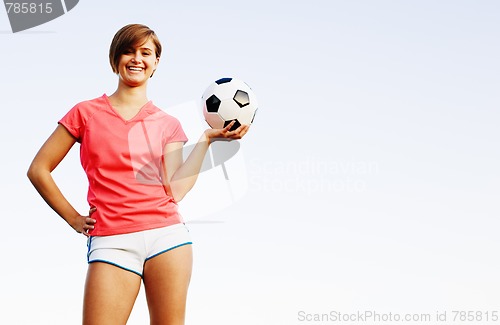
(235, 125)
(213, 104)
(223, 80)
(241, 98)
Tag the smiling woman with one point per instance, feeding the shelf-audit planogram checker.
(134, 42)
(135, 230)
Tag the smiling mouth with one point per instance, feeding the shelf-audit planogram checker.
(135, 68)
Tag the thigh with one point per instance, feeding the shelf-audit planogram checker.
(166, 282)
(110, 293)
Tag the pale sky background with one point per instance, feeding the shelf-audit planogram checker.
(372, 166)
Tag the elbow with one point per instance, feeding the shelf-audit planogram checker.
(178, 198)
(34, 173)
(178, 195)
(178, 190)
(172, 191)
(31, 174)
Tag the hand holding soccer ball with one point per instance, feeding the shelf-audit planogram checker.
(226, 132)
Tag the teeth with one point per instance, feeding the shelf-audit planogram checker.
(135, 69)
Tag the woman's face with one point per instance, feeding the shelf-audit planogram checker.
(137, 64)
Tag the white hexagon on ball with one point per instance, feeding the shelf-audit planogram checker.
(214, 120)
(229, 110)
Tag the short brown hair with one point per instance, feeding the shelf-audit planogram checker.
(130, 36)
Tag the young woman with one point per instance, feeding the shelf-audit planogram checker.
(131, 152)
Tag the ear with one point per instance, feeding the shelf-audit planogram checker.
(157, 61)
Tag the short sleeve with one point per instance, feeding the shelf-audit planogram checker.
(73, 121)
(175, 133)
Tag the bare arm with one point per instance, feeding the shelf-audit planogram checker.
(46, 160)
(180, 177)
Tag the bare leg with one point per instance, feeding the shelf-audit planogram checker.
(166, 282)
(110, 294)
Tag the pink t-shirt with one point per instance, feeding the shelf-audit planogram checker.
(122, 160)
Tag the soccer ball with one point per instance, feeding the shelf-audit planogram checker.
(226, 100)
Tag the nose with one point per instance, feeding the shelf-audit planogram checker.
(137, 58)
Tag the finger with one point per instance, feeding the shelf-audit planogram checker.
(90, 221)
(228, 127)
(86, 229)
(83, 232)
(239, 132)
(242, 129)
(89, 224)
(235, 131)
(92, 210)
(242, 133)
(247, 127)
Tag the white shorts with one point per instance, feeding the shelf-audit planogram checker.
(131, 251)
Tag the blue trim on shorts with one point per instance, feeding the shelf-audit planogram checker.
(169, 249)
(117, 265)
(89, 244)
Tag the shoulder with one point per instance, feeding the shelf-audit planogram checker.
(77, 118)
(164, 125)
(160, 115)
(92, 105)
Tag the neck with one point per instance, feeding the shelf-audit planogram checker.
(134, 96)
